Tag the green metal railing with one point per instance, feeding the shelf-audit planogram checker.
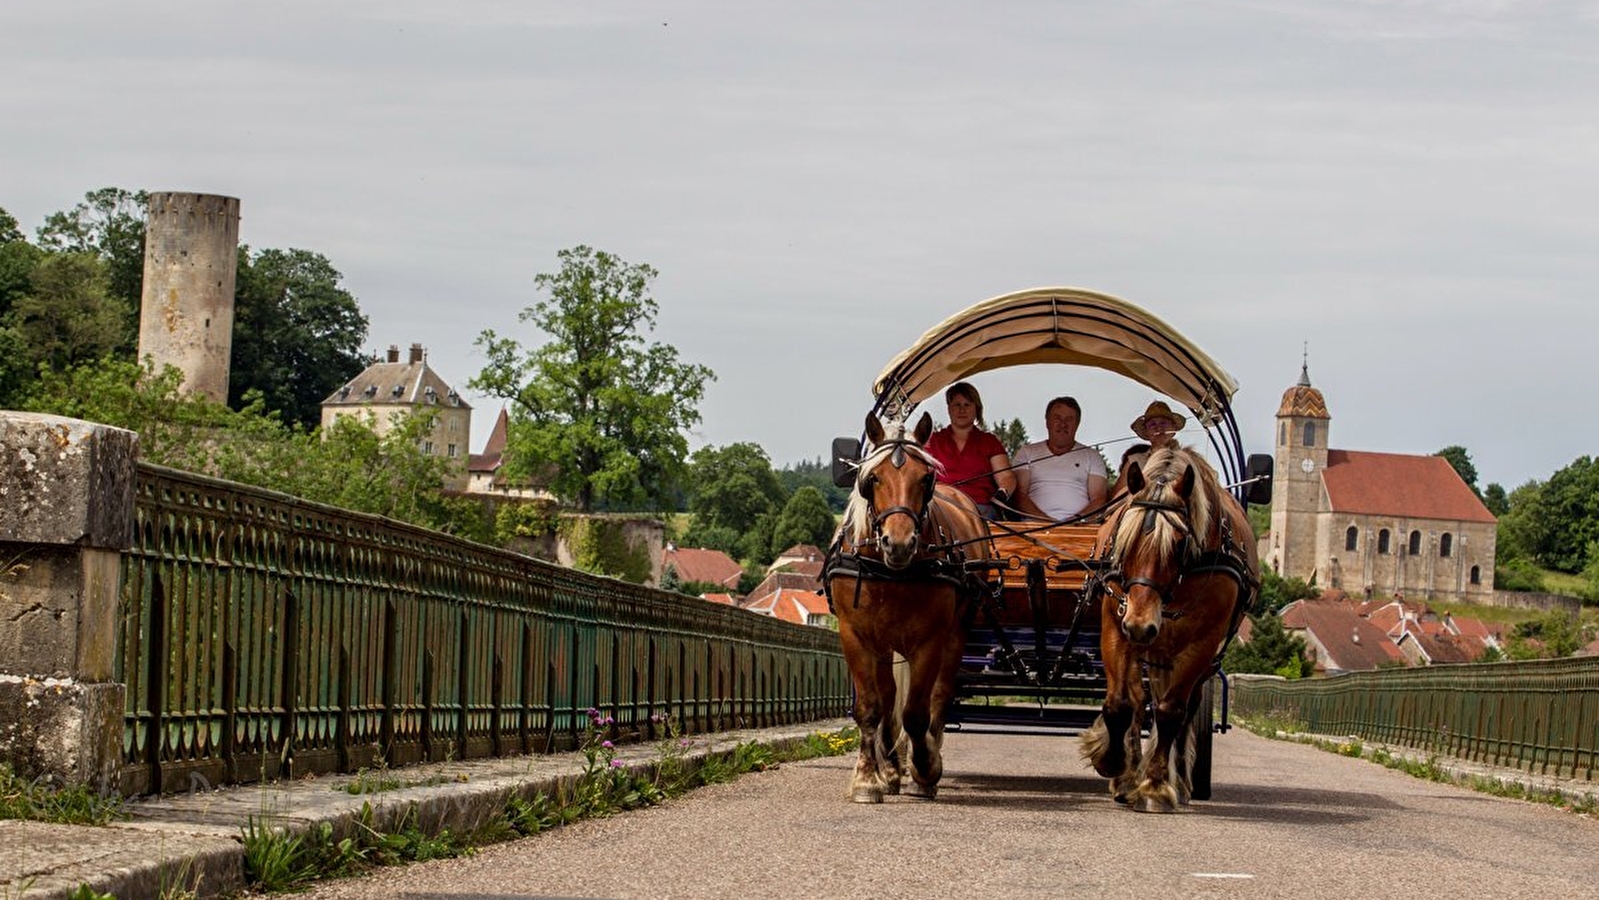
(1541, 716)
(263, 636)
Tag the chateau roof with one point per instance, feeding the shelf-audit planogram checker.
(1401, 485)
(493, 451)
(395, 383)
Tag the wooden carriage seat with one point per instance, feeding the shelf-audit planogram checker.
(1057, 542)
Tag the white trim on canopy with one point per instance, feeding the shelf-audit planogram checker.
(1057, 325)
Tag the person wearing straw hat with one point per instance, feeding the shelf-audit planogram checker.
(1159, 426)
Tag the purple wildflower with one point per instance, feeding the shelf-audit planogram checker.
(616, 764)
(607, 745)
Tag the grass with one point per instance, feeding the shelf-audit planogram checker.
(40, 800)
(278, 859)
(1428, 768)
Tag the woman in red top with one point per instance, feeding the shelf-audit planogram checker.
(973, 459)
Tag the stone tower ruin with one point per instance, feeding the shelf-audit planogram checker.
(186, 312)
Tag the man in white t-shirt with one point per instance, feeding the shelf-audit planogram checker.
(1058, 478)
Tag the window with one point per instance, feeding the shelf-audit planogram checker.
(1476, 575)
(1282, 434)
(1415, 543)
(450, 451)
(427, 447)
(1350, 536)
(1382, 542)
(1310, 434)
(1446, 544)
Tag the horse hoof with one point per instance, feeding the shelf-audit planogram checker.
(891, 787)
(1151, 804)
(866, 795)
(921, 791)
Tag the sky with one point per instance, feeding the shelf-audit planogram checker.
(1403, 193)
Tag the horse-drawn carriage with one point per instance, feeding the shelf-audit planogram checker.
(1053, 626)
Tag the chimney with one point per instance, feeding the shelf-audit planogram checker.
(394, 353)
(416, 354)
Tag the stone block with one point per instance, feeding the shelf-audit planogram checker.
(66, 481)
(61, 729)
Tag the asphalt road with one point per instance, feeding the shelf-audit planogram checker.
(1023, 817)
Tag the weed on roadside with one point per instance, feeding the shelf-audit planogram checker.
(40, 800)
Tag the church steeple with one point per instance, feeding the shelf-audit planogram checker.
(1302, 429)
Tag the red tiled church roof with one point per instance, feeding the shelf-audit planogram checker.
(1396, 484)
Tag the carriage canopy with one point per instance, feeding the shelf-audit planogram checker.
(1057, 325)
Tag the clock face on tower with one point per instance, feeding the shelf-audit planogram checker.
(1308, 465)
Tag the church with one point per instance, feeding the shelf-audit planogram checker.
(1368, 523)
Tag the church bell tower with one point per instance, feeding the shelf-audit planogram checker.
(1302, 427)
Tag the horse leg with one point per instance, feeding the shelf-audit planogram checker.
(1166, 779)
(890, 736)
(932, 682)
(866, 786)
(1111, 744)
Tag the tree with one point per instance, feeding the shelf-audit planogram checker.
(596, 404)
(66, 317)
(805, 519)
(1013, 434)
(1277, 592)
(110, 224)
(1493, 497)
(1460, 460)
(1553, 523)
(1271, 650)
(732, 487)
(297, 333)
(817, 473)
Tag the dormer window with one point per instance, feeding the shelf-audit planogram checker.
(371, 391)
(344, 392)
(431, 395)
(453, 397)
(398, 390)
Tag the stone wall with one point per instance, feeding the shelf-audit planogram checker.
(1533, 600)
(66, 513)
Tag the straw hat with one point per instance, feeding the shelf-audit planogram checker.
(1157, 410)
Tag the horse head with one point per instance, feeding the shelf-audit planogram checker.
(1152, 539)
(893, 490)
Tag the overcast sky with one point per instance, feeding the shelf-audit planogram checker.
(1411, 188)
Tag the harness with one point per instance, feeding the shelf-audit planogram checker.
(941, 559)
(1229, 559)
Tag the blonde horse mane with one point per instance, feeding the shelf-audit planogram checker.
(1161, 472)
(857, 522)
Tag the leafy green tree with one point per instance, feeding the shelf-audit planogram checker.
(1277, 592)
(66, 317)
(17, 260)
(297, 333)
(1553, 522)
(755, 544)
(1271, 650)
(732, 486)
(1493, 497)
(817, 473)
(1550, 636)
(1013, 434)
(1460, 460)
(110, 224)
(596, 403)
(805, 519)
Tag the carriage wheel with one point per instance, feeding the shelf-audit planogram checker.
(1201, 732)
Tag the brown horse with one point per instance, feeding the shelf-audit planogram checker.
(1181, 572)
(897, 581)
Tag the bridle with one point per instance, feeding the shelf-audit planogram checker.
(1112, 577)
(918, 516)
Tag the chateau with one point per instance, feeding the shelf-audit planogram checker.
(1368, 523)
